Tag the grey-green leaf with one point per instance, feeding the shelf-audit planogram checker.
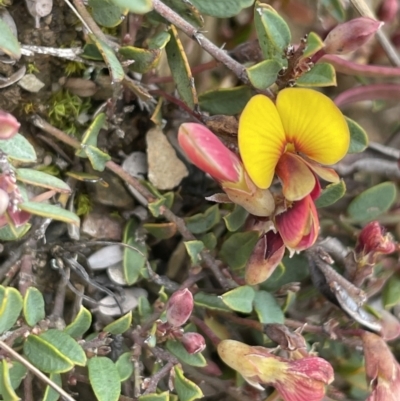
(221, 8)
(104, 378)
(41, 179)
(358, 137)
(264, 74)
(10, 307)
(373, 202)
(331, 194)
(80, 325)
(18, 148)
(33, 308)
(136, 6)
(8, 42)
(51, 211)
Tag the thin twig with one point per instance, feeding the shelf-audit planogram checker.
(219, 54)
(156, 377)
(36, 371)
(364, 10)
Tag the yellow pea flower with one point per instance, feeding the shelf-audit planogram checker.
(293, 138)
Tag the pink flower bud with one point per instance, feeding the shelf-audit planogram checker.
(266, 256)
(193, 342)
(347, 37)
(373, 241)
(208, 153)
(387, 10)
(179, 307)
(9, 125)
(381, 368)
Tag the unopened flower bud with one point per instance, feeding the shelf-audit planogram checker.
(193, 342)
(387, 10)
(208, 153)
(381, 368)
(349, 36)
(4, 201)
(9, 125)
(266, 256)
(372, 241)
(179, 307)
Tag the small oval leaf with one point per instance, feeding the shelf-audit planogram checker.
(177, 349)
(321, 75)
(240, 299)
(51, 211)
(331, 194)
(40, 179)
(18, 148)
(104, 378)
(33, 306)
(10, 307)
(373, 202)
(80, 325)
(264, 74)
(120, 325)
(186, 389)
(358, 137)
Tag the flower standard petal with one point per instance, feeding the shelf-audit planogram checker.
(314, 124)
(261, 139)
(297, 179)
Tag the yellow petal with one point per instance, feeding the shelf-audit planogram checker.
(314, 124)
(261, 139)
(296, 177)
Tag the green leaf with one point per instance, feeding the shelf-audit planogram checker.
(264, 74)
(45, 356)
(221, 8)
(91, 134)
(144, 308)
(8, 42)
(194, 249)
(51, 211)
(358, 137)
(18, 148)
(185, 388)
(106, 13)
(236, 218)
(8, 234)
(267, 309)
(331, 194)
(133, 261)
(210, 301)
(314, 43)
(155, 397)
(322, 74)
(120, 325)
(161, 230)
(113, 64)
(50, 394)
(229, 101)
(209, 240)
(180, 69)
(104, 378)
(98, 158)
(66, 345)
(236, 250)
(289, 270)
(373, 202)
(391, 292)
(40, 179)
(80, 325)
(17, 371)
(240, 299)
(90, 52)
(136, 7)
(202, 222)
(7, 390)
(272, 31)
(177, 349)
(144, 59)
(124, 366)
(33, 307)
(10, 307)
